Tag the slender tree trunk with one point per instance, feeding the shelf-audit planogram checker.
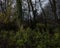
(54, 9)
(45, 16)
(29, 10)
(1, 5)
(19, 11)
(34, 14)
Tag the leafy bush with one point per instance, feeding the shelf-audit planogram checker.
(27, 38)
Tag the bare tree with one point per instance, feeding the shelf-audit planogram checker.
(45, 16)
(29, 10)
(54, 9)
(34, 15)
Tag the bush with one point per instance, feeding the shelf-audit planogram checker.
(27, 38)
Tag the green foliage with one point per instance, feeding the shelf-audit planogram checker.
(27, 38)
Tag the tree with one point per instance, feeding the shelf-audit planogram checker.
(6, 11)
(33, 25)
(54, 8)
(19, 10)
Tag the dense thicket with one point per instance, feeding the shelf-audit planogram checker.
(26, 26)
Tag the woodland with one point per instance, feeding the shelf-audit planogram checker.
(29, 23)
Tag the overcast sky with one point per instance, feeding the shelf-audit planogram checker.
(44, 4)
